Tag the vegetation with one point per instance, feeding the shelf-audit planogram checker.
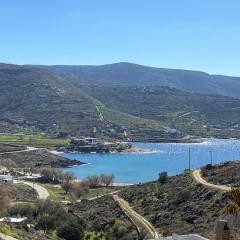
(53, 175)
(37, 140)
(8, 231)
(163, 177)
(34, 100)
(5, 147)
(59, 194)
(99, 218)
(70, 231)
(197, 114)
(49, 216)
(80, 188)
(3, 201)
(178, 206)
(234, 196)
(227, 173)
(20, 192)
(129, 74)
(35, 160)
(104, 215)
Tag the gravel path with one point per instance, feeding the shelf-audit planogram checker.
(198, 177)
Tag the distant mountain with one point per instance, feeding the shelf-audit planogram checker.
(36, 99)
(129, 74)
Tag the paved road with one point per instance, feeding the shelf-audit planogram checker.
(5, 237)
(198, 177)
(140, 222)
(41, 191)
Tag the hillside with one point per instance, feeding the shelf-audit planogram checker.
(197, 114)
(130, 74)
(37, 100)
(179, 206)
(227, 173)
(103, 215)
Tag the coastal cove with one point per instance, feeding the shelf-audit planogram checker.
(145, 166)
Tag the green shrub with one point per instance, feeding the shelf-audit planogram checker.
(163, 177)
(71, 231)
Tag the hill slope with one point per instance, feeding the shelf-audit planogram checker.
(178, 206)
(37, 98)
(193, 113)
(33, 99)
(129, 74)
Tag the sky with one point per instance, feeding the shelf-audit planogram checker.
(185, 34)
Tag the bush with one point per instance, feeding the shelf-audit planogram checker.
(119, 229)
(107, 180)
(94, 181)
(22, 210)
(163, 177)
(81, 188)
(71, 231)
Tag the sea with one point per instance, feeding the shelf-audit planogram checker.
(140, 167)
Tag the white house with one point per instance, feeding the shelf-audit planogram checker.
(6, 178)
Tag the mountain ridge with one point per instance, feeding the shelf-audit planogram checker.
(130, 74)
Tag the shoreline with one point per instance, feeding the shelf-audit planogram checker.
(115, 184)
(133, 150)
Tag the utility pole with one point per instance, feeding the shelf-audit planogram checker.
(189, 158)
(211, 157)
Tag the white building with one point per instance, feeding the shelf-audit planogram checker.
(6, 178)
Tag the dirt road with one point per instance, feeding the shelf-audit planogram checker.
(140, 222)
(198, 177)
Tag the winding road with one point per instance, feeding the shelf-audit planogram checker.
(142, 224)
(41, 191)
(198, 177)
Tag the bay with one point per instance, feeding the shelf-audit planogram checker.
(158, 157)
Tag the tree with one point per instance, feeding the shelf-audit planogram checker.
(56, 175)
(50, 175)
(68, 176)
(81, 188)
(94, 181)
(107, 180)
(163, 177)
(67, 186)
(67, 179)
(71, 231)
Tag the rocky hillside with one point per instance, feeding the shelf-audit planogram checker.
(178, 206)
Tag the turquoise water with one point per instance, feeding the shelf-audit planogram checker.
(143, 167)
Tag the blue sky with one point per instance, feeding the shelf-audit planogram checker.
(189, 34)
